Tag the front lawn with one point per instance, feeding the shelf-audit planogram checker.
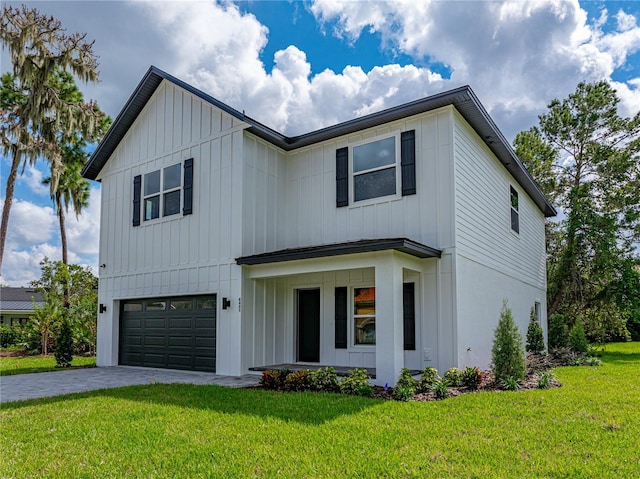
(588, 428)
(39, 364)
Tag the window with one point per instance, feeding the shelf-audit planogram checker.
(364, 316)
(162, 192)
(515, 215)
(374, 169)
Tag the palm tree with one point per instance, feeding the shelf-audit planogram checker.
(72, 189)
(34, 113)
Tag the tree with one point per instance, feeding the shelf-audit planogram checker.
(535, 336)
(64, 345)
(35, 118)
(507, 353)
(82, 285)
(585, 157)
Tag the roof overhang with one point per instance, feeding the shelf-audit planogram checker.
(462, 98)
(403, 245)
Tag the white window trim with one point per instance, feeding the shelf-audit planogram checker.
(513, 232)
(161, 193)
(379, 199)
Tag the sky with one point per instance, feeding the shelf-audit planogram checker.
(298, 66)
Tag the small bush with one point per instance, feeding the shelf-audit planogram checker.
(403, 393)
(428, 379)
(64, 345)
(577, 339)
(510, 383)
(558, 331)
(471, 378)
(592, 361)
(8, 336)
(298, 381)
(546, 379)
(535, 336)
(453, 377)
(440, 389)
(356, 383)
(406, 386)
(508, 351)
(324, 379)
(273, 379)
(565, 357)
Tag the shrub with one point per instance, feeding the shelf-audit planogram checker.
(535, 336)
(298, 381)
(406, 386)
(565, 357)
(591, 361)
(510, 383)
(471, 378)
(324, 379)
(508, 351)
(356, 383)
(577, 339)
(64, 345)
(403, 393)
(428, 379)
(8, 336)
(558, 331)
(274, 379)
(546, 379)
(440, 389)
(453, 377)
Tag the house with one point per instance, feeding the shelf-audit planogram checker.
(383, 242)
(17, 305)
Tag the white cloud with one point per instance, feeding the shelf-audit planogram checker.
(33, 235)
(83, 233)
(33, 178)
(516, 55)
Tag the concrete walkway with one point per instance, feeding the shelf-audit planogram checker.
(37, 385)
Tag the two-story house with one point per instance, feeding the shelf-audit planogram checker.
(384, 242)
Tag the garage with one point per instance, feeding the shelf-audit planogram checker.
(172, 333)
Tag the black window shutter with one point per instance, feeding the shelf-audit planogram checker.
(342, 177)
(409, 316)
(341, 318)
(408, 162)
(137, 189)
(187, 208)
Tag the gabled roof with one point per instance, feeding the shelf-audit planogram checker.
(462, 98)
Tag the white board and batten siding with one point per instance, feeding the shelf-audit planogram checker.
(492, 262)
(176, 255)
(290, 202)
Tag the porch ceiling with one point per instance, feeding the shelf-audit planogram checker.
(404, 245)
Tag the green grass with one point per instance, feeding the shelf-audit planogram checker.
(39, 364)
(590, 428)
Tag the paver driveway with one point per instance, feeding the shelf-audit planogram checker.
(37, 385)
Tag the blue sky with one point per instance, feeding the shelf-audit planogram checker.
(298, 66)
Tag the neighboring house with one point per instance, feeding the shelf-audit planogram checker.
(384, 242)
(17, 305)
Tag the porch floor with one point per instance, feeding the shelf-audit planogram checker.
(340, 370)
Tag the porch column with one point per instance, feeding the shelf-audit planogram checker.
(389, 344)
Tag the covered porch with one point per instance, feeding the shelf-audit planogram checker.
(356, 304)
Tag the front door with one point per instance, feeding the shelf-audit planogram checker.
(309, 325)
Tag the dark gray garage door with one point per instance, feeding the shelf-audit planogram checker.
(174, 333)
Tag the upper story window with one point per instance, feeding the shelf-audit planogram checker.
(162, 192)
(515, 215)
(374, 169)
